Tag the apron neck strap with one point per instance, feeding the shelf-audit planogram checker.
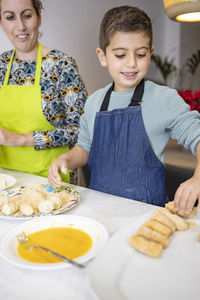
(9, 69)
(135, 100)
(106, 100)
(38, 66)
(138, 94)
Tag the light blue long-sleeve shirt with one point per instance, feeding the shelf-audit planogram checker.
(165, 115)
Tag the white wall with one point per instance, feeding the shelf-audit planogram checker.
(73, 26)
(189, 44)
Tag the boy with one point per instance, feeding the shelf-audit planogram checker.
(127, 124)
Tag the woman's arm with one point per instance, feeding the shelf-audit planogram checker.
(8, 138)
(63, 99)
(66, 96)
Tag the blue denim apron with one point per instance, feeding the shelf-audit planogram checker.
(121, 160)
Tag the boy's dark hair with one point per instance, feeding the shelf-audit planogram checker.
(125, 19)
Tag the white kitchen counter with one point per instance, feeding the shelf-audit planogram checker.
(70, 283)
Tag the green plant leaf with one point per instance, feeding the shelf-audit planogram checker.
(165, 66)
(193, 62)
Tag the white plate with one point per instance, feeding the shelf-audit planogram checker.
(9, 243)
(132, 275)
(18, 190)
(9, 179)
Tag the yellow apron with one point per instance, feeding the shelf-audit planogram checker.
(21, 112)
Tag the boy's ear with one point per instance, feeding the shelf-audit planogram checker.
(152, 50)
(102, 57)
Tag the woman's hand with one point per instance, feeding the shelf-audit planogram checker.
(8, 138)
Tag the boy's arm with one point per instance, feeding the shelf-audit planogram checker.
(189, 191)
(75, 158)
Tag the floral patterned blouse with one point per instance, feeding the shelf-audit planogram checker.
(63, 95)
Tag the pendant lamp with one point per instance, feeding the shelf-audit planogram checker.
(183, 10)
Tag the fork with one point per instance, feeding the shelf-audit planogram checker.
(23, 238)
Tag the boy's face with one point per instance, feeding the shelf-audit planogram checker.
(127, 58)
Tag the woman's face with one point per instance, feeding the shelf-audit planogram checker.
(20, 22)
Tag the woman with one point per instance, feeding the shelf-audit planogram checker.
(41, 94)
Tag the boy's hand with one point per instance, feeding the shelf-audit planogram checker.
(77, 157)
(186, 196)
(189, 191)
(57, 167)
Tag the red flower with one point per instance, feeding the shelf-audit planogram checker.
(186, 95)
(197, 95)
(191, 98)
